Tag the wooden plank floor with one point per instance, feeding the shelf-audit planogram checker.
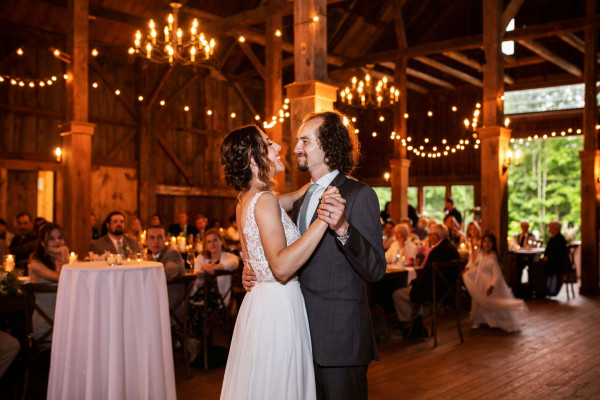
(556, 356)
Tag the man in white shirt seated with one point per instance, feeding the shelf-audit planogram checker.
(401, 249)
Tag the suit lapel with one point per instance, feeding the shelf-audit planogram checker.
(110, 245)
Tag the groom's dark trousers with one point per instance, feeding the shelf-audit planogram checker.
(334, 284)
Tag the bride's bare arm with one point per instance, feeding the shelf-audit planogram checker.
(287, 200)
(286, 260)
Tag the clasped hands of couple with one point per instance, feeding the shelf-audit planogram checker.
(330, 211)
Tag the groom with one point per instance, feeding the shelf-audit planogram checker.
(350, 254)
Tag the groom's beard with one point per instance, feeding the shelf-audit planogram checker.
(302, 165)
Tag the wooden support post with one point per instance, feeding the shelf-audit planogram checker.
(400, 164)
(75, 178)
(590, 168)
(274, 91)
(308, 93)
(494, 138)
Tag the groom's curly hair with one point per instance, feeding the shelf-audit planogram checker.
(237, 149)
(338, 140)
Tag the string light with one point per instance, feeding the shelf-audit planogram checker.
(186, 108)
(278, 33)
(20, 51)
(95, 52)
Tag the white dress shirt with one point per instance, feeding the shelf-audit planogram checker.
(323, 182)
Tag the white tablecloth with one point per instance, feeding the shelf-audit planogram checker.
(112, 336)
(412, 273)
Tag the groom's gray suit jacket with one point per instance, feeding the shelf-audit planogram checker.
(334, 278)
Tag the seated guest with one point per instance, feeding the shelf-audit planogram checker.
(385, 214)
(421, 230)
(169, 257)
(46, 262)
(232, 233)
(95, 232)
(408, 222)
(38, 222)
(135, 231)
(200, 222)
(454, 233)
(526, 239)
(114, 241)
(213, 259)
(492, 302)
(413, 215)
(182, 227)
(23, 244)
(155, 219)
(5, 235)
(9, 349)
(450, 210)
(545, 275)
(388, 235)
(402, 248)
(420, 290)
(473, 238)
(171, 261)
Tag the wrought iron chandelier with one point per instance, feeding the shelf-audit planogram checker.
(368, 94)
(169, 45)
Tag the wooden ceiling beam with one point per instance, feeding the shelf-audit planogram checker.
(416, 88)
(260, 68)
(399, 24)
(450, 71)
(576, 42)
(429, 78)
(420, 75)
(510, 12)
(461, 58)
(476, 41)
(551, 57)
(523, 61)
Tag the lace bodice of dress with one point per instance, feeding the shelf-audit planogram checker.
(256, 254)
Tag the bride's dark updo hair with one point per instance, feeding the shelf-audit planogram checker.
(238, 147)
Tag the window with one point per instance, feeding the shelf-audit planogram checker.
(508, 47)
(434, 198)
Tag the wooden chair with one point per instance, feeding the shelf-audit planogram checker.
(35, 346)
(447, 276)
(220, 313)
(569, 276)
(178, 309)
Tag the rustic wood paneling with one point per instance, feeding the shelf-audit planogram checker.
(21, 193)
(114, 189)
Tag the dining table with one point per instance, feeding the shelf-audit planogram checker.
(112, 333)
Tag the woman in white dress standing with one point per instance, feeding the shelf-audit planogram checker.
(492, 300)
(270, 355)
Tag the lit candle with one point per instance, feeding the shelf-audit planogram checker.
(192, 54)
(72, 258)
(9, 264)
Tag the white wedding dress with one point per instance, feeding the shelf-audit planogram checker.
(500, 309)
(270, 356)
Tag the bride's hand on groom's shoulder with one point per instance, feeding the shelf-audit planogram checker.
(331, 210)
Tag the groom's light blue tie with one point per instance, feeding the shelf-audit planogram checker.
(302, 225)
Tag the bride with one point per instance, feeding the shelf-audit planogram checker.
(270, 355)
